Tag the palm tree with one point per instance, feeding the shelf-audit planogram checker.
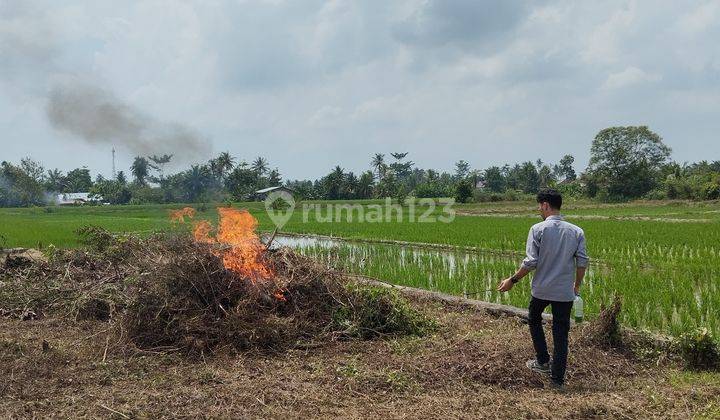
(121, 178)
(222, 164)
(378, 162)
(274, 178)
(260, 165)
(139, 169)
(365, 185)
(54, 181)
(196, 181)
(333, 183)
(158, 163)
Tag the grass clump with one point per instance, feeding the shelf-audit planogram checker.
(699, 350)
(379, 311)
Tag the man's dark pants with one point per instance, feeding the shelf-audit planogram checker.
(560, 330)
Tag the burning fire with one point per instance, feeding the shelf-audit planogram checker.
(238, 244)
(178, 216)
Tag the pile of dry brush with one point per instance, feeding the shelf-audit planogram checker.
(170, 293)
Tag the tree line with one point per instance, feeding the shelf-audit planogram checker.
(625, 163)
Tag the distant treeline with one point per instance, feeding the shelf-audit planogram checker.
(625, 163)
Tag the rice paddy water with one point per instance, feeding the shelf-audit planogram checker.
(685, 303)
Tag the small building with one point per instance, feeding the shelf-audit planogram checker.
(263, 193)
(75, 199)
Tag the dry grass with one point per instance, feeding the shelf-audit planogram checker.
(169, 293)
(106, 324)
(473, 366)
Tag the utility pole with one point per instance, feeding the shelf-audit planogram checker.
(114, 175)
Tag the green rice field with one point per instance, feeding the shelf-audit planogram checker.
(662, 258)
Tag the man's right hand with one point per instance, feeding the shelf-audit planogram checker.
(505, 285)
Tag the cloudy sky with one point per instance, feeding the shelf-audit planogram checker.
(311, 84)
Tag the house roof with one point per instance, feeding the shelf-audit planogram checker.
(266, 190)
(72, 198)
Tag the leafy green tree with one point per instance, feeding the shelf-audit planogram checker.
(303, 189)
(145, 194)
(349, 186)
(241, 182)
(565, 168)
(120, 178)
(462, 169)
(387, 186)
(33, 169)
(333, 184)
(365, 185)
(274, 178)
(17, 188)
(494, 179)
(158, 163)
(402, 170)
(546, 178)
(463, 191)
(78, 180)
(528, 179)
(400, 194)
(626, 161)
(54, 181)
(140, 170)
(111, 191)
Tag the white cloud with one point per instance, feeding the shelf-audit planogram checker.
(629, 77)
(334, 81)
(326, 116)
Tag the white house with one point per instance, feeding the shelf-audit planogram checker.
(65, 199)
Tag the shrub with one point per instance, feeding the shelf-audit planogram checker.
(378, 311)
(605, 329)
(699, 350)
(463, 192)
(484, 196)
(95, 237)
(571, 189)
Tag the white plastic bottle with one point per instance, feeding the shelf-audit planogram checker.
(578, 306)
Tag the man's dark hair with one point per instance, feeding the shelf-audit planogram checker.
(550, 196)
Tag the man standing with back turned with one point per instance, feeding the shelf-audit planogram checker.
(556, 251)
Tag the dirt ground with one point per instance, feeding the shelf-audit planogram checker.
(473, 366)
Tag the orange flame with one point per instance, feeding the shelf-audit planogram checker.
(237, 229)
(280, 295)
(178, 216)
(240, 247)
(201, 232)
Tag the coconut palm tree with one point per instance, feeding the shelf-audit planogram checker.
(221, 165)
(378, 162)
(140, 169)
(260, 165)
(197, 181)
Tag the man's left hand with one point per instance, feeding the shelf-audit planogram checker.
(505, 285)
